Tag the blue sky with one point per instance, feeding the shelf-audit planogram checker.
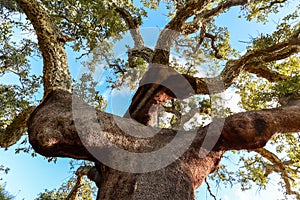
(29, 176)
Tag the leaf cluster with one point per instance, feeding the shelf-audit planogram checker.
(90, 22)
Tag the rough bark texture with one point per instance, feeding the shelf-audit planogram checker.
(56, 73)
(16, 129)
(172, 182)
(55, 113)
(253, 61)
(176, 181)
(53, 132)
(64, 126)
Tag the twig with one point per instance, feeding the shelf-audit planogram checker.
(209, 190)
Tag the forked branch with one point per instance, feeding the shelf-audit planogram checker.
(133, 25)
(205, 15)
(248, 130)
(281, 168)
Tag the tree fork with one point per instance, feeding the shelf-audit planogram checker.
(52, 131)
(59, 137)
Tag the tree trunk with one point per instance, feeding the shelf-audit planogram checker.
(52, 132)
(173, 182)
(55, 129)
(177, 181)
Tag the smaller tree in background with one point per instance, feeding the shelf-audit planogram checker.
(4, 195)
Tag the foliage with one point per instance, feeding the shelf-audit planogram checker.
(4, 169)
(4, 195)
(90, 23)
(261, 10)
(86, 192)
(15, 60)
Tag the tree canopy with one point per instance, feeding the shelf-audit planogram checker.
(172, 98)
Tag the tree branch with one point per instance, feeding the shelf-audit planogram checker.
(221, 8)
(73, 195)
(205, 15)
(139, 50)
(248, 130)
(16, 129)
(161, 56)
(80, 173)
(283, 169)
(173, 29)
(264, 72)
(186, 11)
(56, 73)
(272, 3)
(72, 126)
(252, 130)
(133, 25)
(213, 46)
(201, 37)
(252, 61)
(209, 190)
(145, 53)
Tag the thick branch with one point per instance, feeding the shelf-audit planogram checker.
(252, 61)
(258, 57)
(252, 130)
(56, 73)
(134, 27)
(145, 53)
(64, 126)
(182, 14)
(173, 29)
(143, 99)
(264, 72)
(249, 130)
(63, 133)
(14, 131)
(158, 85)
